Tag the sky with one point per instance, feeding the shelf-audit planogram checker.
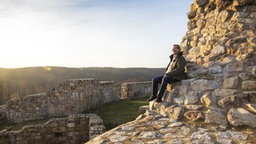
(90, 33)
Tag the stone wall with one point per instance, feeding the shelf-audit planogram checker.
(73, 129)
(220, 47)
(135, 90)
(70, 97)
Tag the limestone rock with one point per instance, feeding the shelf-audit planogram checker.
(216, 51)
(208, 100)
(215, 70)
(230, 100)
(251, 107)
(183, 89)
(174, 112)
(241, 2)
(234, 67)
(153, 105)
(223, 16)
(202, 3)
(201, 136)
(179, 101)
(229, 137)
(215, 117)
(203, 85)
(249, 85)
(240, 117)
(191, 98)
(231, 82)
(225, 92)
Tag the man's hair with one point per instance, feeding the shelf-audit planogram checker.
(178, 46)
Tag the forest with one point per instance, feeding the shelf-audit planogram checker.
(18, 82)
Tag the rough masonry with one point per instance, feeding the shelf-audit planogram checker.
(70, 97)
(73, 129)
(217, 103)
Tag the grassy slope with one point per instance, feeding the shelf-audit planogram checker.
(117, 113)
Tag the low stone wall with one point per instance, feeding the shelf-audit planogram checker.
(230, 101)
(70, 97)
(73, 129)
(135, 90)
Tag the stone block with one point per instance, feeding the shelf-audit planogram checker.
(202, 3)
(217, 50)
(225, 92)
(159, 106)
(191, 98)
(241, 117)
(215, 117)
(223, 16)
(183, 89)
(229, 137)
(179, 101)
(174, 112)
(229, 101)
(234, 67)
(204, 85)
(241, 2)
(249, 85)
(215, 70)
(231, 82)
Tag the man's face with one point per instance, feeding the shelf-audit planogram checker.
(175, 50)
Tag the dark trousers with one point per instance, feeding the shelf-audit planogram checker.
(163, 80)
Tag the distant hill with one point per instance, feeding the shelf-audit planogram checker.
(24, 81)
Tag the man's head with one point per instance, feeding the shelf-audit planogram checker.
(176, 49)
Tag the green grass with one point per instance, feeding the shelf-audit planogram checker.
(117, 113)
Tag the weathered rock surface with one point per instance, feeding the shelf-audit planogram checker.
(240, 117)
(152, 128)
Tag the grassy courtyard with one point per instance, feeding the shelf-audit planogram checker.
(116, 113)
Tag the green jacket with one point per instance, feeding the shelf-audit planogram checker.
(178, 67)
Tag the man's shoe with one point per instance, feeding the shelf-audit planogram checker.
(151, 98)
(159, 100)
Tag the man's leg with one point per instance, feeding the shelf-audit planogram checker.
(165, 80)
(155, 82)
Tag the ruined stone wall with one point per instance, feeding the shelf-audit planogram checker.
(70, 97)
(220, 47)
(73, 129)
(220, 92)
(220, 31)
(135, 90)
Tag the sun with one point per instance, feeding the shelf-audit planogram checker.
(47, 68)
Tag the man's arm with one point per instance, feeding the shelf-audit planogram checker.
(180, 67)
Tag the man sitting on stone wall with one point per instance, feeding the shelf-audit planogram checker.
(175, 72)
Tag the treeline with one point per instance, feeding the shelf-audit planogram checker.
(25, 81)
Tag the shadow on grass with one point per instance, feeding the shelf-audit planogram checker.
(117, 113)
